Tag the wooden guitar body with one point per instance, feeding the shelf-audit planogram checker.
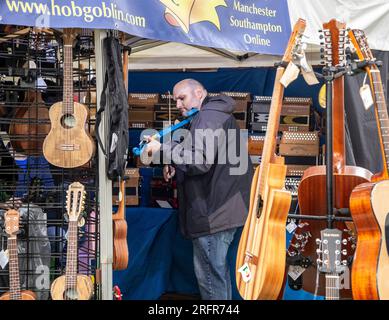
(65, 146)
(269, 243)
(84, 289)
(370, 208)
(25, 295)
(31, 116)
(313, 183)
(120, 247)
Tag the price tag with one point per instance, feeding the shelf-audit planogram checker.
(366, 96)
(3, 258)
(245, 272)
(295, 271)
(291, 226)
(291, 73)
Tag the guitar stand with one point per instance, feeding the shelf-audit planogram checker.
(329, 75)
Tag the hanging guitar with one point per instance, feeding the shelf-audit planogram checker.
(11, 222)
(369, 203)
(260, 263)
(73, 286)
(120, 247)
(68, 144)
(312, 195)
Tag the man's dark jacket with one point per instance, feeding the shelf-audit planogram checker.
(210, 198)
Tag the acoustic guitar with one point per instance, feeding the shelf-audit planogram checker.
(73, 286)
(329, 261)
(11, 221)
(369, 201)
(120, 247)
(32, 124)
(68, 144)
(312, 195)
(260, 262)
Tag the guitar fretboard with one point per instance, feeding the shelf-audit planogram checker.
(382, 112)
(332, 286)
(67, 80)
(14, 278)
(71, 257)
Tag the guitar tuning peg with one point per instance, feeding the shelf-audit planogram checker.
(318, 241)
(337, 262)
(344, 252)
(344, 262)
(318, 251)
(344, 241)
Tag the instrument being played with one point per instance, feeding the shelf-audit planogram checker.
(73, 286)
(11, 221)
(260, 262)
(312, 195)
(137, 151)
(68, 144)
(369, 203)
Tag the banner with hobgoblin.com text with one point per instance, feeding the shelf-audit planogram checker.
(261, 26)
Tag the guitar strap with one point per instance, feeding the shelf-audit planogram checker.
(114, 100)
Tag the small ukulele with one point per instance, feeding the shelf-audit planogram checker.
(120, 247)
(73, 286)
(68, 144)
(11, 221)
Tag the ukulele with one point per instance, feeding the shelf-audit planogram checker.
(11, 221)
(260, 263)
(329, 262)
(369, 201)
(73, 286)
(120, 247)
(312, 195)
(68, 144)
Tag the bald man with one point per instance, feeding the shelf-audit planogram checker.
(213, 192)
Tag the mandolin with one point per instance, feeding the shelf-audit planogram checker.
(73, 286)
(68, 144)
(11, 221)
(369, 201)
(260, 263)
(120, 247)
(312, 195)
(32, 124)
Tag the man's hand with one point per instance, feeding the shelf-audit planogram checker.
(151, 148)
(168, 172)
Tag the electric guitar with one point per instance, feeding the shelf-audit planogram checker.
(11, 221)
(369, 201)
(260, 263)
(73, 286)
(68, 144)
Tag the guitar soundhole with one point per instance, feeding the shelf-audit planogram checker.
(68, 121)
(70, 294)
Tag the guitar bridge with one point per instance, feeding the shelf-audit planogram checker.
(68, 147)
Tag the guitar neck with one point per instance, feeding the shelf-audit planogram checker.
(71, 257)
(338, 136)
(269, 146)
(119, 215)
(14, 277)
(67, 102)
(381, 116)
(332, 286)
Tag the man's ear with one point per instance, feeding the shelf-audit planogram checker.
(199, 93)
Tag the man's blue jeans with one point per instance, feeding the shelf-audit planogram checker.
(211, 266)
